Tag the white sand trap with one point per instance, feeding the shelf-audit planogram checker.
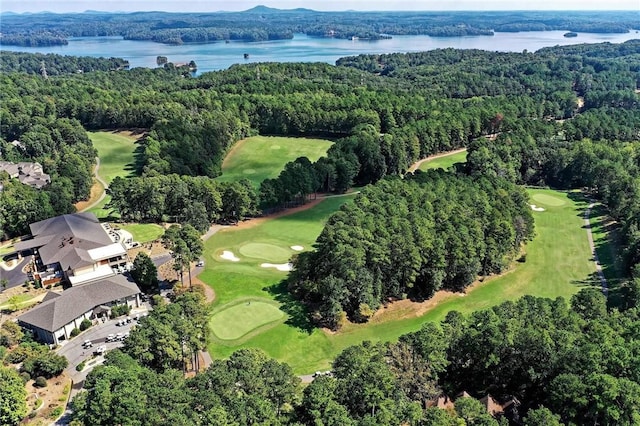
(228, 255)
(536, 209)
(284, 267)
(297, 248)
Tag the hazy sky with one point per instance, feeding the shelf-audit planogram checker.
(232, 5)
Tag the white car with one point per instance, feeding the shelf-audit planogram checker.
(87, 344)
(100, 350)
(110, 338)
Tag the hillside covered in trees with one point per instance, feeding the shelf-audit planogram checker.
(557, 363)
(263, 23)
(567, 117)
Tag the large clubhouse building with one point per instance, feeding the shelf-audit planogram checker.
(85, 255)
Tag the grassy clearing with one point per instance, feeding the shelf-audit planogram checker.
(20, 301)
(144, 232)
(263, 157)
(444, 162)
(558, 263)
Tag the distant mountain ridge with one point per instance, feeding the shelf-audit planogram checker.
(262, 9)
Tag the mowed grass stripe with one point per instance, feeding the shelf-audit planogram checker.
(116, 152)
(263, 157)
(144, 232)
(444, 162)
(558, 263)
(235, 321)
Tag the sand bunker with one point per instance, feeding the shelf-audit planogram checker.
(228, 255)
(536, 209)
(297, 248)
(284, 267)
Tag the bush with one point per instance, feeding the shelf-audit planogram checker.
(75, 332)
(41, 382)
(119, 310)
(80, 366)
(57, 412)
(25, 376)
(85, 324)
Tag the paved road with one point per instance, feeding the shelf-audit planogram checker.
(592, 246)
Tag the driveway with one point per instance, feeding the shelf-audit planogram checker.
(13, 274)
(75, 353)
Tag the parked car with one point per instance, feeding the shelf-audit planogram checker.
(110, 338)
(100, 350)
(200, 263)
(118, 337)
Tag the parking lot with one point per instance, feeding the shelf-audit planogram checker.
(76, 351)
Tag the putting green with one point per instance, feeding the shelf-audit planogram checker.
(549, 200)
(267, 252)
(235, 321)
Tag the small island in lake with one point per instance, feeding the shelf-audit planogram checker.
(571, 34)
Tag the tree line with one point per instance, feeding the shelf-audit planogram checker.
(262, 23)
(555, 362)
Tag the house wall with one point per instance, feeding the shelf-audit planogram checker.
(41, 335)
(86, 269)
(66, 330)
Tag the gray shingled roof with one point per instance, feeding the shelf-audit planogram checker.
(56, 312)
(66, 239)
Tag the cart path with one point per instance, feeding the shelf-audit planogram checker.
(417, 164)
(104, 187)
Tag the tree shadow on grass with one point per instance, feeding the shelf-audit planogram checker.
(296, 311)
(136, 168)
(592, 280)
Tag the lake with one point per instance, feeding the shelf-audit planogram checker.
(221, 55)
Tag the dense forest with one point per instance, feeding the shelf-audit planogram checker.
(547, 362)
(566, 117)
(440, 232)
(263, 23)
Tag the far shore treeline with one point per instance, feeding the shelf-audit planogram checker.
(263, 23)
(566, 117)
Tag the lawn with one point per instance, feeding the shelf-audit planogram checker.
(557, 263)
(263, 157)
(116, 152)
(117, 158)
(444, 162)
(236, 320)
(144, 232)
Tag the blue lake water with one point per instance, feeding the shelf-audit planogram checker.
(217, 56)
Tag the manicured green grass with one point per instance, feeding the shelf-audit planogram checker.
(444, 162)
(116, 153)
(558, 263)
(263, 157)
(144, 232)
(236, 320)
